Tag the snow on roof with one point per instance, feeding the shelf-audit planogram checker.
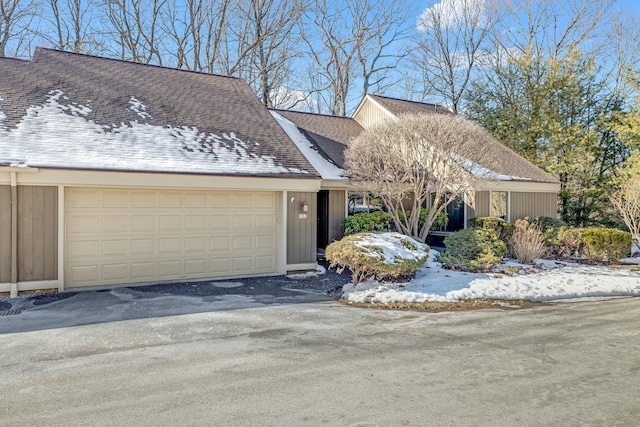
(326, 168)
(58, 134)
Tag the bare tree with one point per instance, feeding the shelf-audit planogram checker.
(626, 201)
(195, 31)
(451, 41)
(134, 29)
(72, 20)
(16, 17)
(434, 157)
(261, 44)
(350, 42)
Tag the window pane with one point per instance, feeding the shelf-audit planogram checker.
(499, 204)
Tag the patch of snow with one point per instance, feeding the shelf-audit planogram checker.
(227, 285)
(326, 168)
(139, 108)
(566, 282)
(630, 260)
(319, 271)
(59, 135)
(484, 173)
(392, 247)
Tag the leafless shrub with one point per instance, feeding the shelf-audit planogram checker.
(417, 157)
(526, 243)
(626, 202)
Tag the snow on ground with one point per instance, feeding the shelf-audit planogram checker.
(319, 271)
(552, 281)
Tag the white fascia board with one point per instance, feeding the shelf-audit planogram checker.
(86, 178)
(518, 186)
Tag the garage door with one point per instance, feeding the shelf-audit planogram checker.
(126, 236)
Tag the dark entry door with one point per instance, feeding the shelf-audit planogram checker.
(323, 218)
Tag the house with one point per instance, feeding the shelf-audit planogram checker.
(513, 189)
(113, 172)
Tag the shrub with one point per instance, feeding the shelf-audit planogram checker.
(473, 249)
(440, 221)
(526, 243)
(604, 244)
(363, 222)
(550, 228)
(594, 244)
(385, 256)
(504, 229)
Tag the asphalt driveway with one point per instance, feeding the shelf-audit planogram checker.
(32, 312)
(324, 363)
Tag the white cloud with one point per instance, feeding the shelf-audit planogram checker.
(448, 13)
(290, 99)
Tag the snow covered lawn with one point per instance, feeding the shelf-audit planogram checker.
(549, 281)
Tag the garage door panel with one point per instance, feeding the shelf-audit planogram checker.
(115, 272)
(195, 266)
(170, 200)
(84, 249)
(265, 242)
(147, 199)
(143, 223)
(170, 223)
(143, 247)
(115, 223)
(115, 199)
(143, 271)
(115, 248)
(84, 224)
(196, 223)
(219, 266)
(127, 236)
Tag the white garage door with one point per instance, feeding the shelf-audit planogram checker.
(127, 236)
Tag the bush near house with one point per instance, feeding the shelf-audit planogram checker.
(381, 221)
(365, 222)
(384, 256)
(473, 249)
(550, 228)
(504, 229)
(593, 244)
(604, 244)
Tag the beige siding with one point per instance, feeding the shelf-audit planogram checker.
(369, 114)
(337, 211)
(37, 233)
(533, 205)
(481, 206)
(5, 234)
(301, 231)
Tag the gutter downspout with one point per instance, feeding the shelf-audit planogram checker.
(13, 293)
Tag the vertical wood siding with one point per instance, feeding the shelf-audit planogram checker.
(5, 234)
(533, 205)
(337, 211)
(370, 114)
(482, 205)
(301, 233)
(37, 233)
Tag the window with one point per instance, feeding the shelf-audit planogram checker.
(455, 213)
(499, 205)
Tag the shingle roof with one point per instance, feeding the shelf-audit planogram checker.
(330, 134)
(402, 106)
(502, 161)
(77, 111)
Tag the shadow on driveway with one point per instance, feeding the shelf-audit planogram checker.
(58, 310)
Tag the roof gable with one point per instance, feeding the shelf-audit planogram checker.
(66, 110)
